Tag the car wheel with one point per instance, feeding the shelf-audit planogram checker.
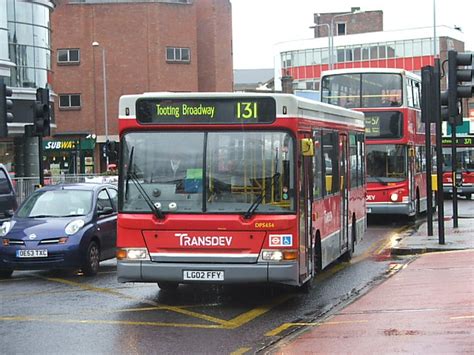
(5, 273)
(168, 285)
(91, 264)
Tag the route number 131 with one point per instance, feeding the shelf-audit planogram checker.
(247, 110)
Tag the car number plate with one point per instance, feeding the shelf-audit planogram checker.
(207, 275)
(32, 253)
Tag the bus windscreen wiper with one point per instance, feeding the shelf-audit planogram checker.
(253, 207)
(132, 176)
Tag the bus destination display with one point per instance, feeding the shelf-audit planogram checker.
(383, 124)
(460, 141)
(245, 110)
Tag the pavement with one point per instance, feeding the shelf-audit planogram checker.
(425, 307)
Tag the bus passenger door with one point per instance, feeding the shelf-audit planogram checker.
(343, 146)
(305, 213)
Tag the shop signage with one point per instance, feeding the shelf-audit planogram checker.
(68, 144)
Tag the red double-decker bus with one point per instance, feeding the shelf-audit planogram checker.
(395, 135)
(236, 188)
(464, 164)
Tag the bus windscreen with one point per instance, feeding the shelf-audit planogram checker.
(248, 110)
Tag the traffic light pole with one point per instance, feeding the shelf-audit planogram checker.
(439, 149)
(40, 160)
(427, 111)
(455, 169)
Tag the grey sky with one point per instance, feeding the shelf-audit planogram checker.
(259, 24)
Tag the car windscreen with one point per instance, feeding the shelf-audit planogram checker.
(57, 203)
(5, 187)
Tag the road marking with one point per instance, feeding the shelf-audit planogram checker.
(379, 246)
(462, 317)
(222, 323)
(240, 351)
(256, 312)
(285, 326)
(113, 322)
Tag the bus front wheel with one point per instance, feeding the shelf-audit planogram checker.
(168, 285)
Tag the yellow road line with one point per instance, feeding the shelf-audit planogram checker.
(240, 351)
(256, 312)
(113, 322)
(229, 324)
(285, 326)
(331, 271)
(149, 302)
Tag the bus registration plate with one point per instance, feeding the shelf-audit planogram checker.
(207, 275)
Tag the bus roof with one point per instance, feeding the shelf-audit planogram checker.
(402, 72)
(287, 105)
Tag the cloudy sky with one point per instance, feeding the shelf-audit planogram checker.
(259, 24)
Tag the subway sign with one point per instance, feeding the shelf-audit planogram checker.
(69, 144)
(243, 110)
(460, 141)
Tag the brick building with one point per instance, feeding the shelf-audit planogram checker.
(157, 45)
(347, 23)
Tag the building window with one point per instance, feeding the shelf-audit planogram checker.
(69, 101)
(341, 28)
(68, 56)
(181, 55)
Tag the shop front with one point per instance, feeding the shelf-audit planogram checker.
(69, 156)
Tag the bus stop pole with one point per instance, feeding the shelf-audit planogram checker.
(439, 149)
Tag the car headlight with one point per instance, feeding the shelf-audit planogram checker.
(6, 227)
(74, 226)
(394, 197)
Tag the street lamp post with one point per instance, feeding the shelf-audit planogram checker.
(354, 10)
(106, 123)
(329, 42)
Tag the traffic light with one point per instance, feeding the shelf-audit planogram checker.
(457, 76)
(6, 106)
(42, 113)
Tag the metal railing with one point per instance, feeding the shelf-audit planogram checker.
(25, 186)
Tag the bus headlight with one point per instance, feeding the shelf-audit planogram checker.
(394, 197)
(132, 254)
(279, 255)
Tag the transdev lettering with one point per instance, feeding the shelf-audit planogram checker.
(185, 110)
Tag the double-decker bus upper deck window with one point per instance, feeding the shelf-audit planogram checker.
(381, 90)
(362, 90)
(383, 124)
(341, 90)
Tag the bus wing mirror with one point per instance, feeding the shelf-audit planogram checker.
(307, 147)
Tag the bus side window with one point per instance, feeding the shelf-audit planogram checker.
(330, 162)
(317, 166)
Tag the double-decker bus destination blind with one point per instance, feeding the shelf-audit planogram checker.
(245, 110)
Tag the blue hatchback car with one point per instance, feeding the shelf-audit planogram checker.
(67, 226)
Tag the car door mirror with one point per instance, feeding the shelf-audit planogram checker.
(105, 211)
